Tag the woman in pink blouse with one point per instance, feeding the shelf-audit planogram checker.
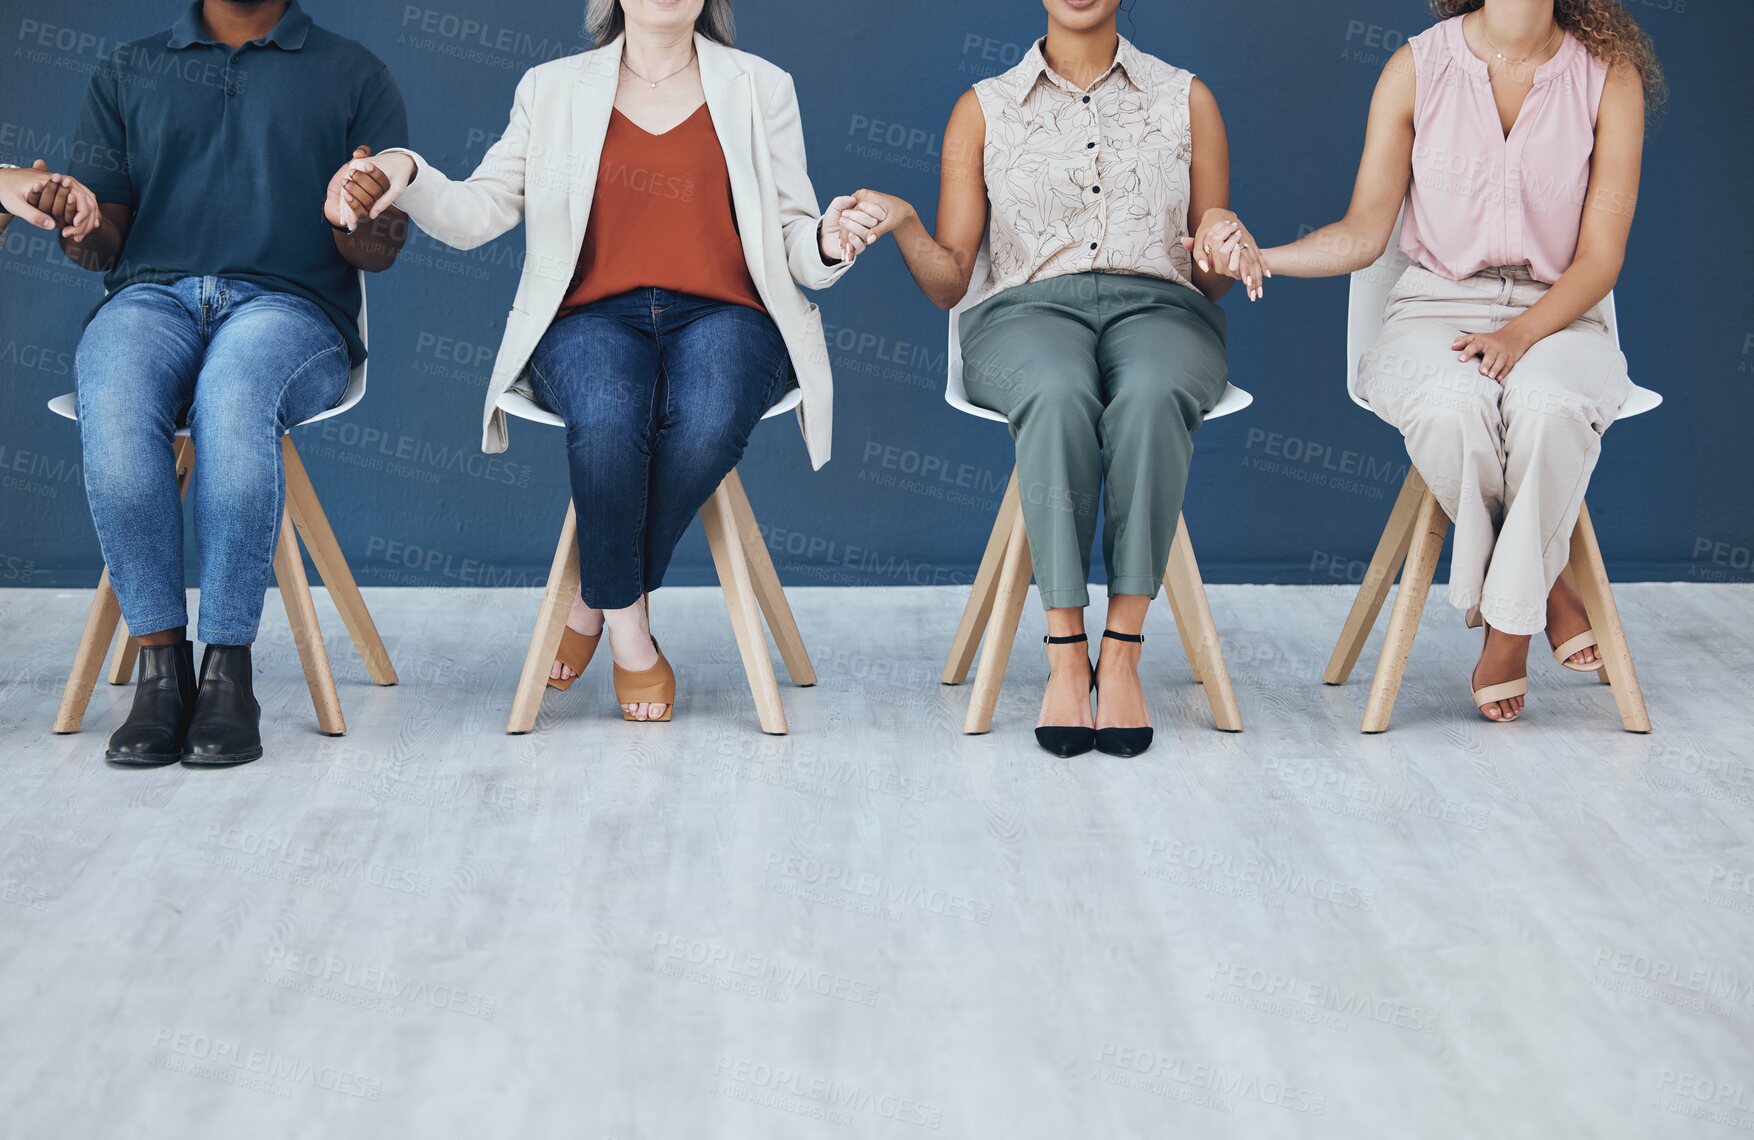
(1511, 136)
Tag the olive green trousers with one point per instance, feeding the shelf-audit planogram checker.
(1104, 378)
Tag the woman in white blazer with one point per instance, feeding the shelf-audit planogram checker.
(670, 226)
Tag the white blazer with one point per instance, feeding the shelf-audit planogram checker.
(543, 172)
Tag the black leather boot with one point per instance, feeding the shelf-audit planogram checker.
(227, 726)
(164, 698)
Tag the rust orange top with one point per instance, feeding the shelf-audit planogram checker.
(662, 218)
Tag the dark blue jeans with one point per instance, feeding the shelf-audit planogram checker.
(659, 391)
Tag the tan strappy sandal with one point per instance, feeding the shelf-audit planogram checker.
(1585, 640)
(654, 686)
(1492, 694)
(576, 651)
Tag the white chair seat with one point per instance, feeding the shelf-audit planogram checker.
(524, 408)
(1234, 400)
(1370, 296)
(67, 406)
(1641, 400)
(956, 394)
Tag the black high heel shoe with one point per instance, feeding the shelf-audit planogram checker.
(1061, 740)
(1122, 741)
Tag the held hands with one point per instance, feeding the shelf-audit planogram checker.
(363, 189)
(1499, 352)
(1224, 246)
(853, 223)
(50, 201)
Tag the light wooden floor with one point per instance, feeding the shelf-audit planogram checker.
(878, 927)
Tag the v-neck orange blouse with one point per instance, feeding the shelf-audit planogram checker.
(662, 218)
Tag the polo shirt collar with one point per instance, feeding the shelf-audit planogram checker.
(289, 33)
(1035, 66)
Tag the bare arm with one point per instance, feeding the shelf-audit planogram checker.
(1607, 211)
(19, 189)
(1601, 239)
(1212, 220)
(942, 264)
(1357, 240)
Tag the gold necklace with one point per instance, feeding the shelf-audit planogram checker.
(654, 82)
(1502, 58)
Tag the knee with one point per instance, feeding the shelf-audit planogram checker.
(109, 408)
(1058, 410)
(1153, 413)
(230, 423)
(1537, 403)
(112, 399)
(602, 409)
(121, 426)
(1451, 416)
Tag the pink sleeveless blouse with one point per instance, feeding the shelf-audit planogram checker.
(1479, 199)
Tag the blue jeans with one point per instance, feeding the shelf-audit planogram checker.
(659, 391)
(240, 366)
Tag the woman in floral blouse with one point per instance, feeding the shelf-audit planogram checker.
(1097, 178)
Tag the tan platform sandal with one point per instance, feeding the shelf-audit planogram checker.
(1585, 640)
(576, 651)
(654, 686)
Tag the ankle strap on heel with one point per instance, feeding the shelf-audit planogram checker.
(1131, 638)
(1073, 640)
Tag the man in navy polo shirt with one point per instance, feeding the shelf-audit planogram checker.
(232, 307)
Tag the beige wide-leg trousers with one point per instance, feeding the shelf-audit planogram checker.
(1508, 462)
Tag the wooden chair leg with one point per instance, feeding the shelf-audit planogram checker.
(1379, 577)
(1007, 607)
(1569, 574)
(1430, 525)
(88, 659)
(127, 652)
(768, 591)
(319, 538)
(979, 610)
(124, 656)
(1171, 595)
(557, 599)
(737, 582)
(1200, 632)
(1590, 576)
(307, 635)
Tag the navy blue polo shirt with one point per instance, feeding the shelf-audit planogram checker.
(225, 156)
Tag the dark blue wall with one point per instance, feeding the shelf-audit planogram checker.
(1296, 489)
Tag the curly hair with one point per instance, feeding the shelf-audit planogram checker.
(1604, 27)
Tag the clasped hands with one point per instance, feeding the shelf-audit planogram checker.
(366, 186)
(1223, 247)
(50, 201)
